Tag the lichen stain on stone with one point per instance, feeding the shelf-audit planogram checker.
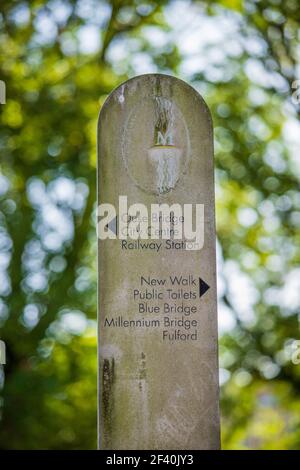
(108, 379)
(142, 371)
(157, 86)
(120, 95)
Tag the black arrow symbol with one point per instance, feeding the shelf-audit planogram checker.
(203, 287)
(112, 225)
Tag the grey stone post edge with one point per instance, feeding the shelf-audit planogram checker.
(157, 295)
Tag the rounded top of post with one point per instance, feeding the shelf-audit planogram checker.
(157, 82)
(157, 124)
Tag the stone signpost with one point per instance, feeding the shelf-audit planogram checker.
(157, 312)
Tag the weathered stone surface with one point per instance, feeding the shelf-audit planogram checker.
(157, 391)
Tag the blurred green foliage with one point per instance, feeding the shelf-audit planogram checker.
(55, 88)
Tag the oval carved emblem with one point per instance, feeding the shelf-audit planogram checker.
(155, 145)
